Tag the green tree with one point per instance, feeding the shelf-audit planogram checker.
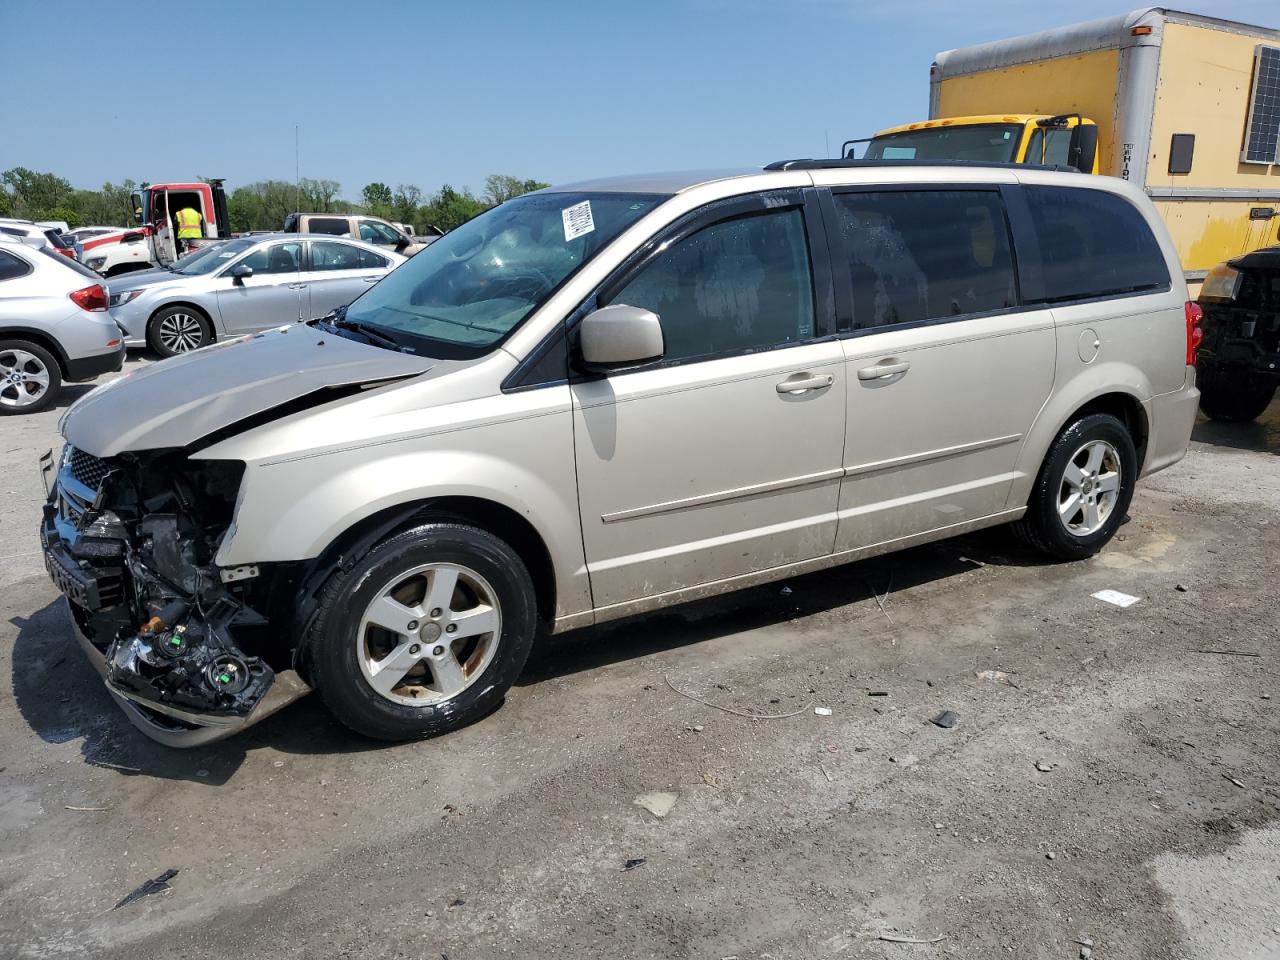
(319, 194)
(499, 187)
(377, 198)
(35, 195)
(405, 202)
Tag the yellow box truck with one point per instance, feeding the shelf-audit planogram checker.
(1186, 105)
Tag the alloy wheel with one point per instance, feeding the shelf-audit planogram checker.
(429, 634)
(24, 379)
(1090, 488)
(180, 333)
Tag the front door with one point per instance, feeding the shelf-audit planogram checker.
(722, 459)
(946, 372)
(162, 239)
(272, 296)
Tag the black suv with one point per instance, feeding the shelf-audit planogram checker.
(1239, 362)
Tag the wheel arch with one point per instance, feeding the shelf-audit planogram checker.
(1117, 395)
(40, 339)
(496, 518)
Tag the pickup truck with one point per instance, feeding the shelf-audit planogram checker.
(375, 230)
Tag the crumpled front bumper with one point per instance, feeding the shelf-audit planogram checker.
(102, 587)
(177, 728)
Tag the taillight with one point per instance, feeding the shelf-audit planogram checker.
(66, 252)
(90, 298)
(1195, 333)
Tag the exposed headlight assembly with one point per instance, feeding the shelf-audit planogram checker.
(123, 297)
(1222, 283)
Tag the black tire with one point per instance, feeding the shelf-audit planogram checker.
(1233, 400)
(12, 392)
(1042, 528)
(188, 323)
(333, 651)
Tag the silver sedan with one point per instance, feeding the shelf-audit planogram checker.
(242, 286)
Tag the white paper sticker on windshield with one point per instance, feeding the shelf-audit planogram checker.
(577, 220)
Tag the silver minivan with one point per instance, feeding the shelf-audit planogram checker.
(609, 397)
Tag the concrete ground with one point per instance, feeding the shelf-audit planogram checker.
(1114, 781)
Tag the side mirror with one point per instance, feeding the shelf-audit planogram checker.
(1083, 148)
(240, 271)
(619, 336)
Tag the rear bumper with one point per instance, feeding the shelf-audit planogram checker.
(1171, 416)
(86, 368)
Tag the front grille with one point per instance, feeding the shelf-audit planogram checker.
(87, 469)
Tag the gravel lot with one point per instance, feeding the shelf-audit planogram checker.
(1113, 783)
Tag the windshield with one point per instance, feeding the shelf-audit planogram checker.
(471, 288)
(209, 259)
(983, 141)
(187, 263)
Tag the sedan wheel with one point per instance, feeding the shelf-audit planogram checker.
(178, 330)
(429, 634)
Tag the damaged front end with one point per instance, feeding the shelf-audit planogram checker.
(189, 649)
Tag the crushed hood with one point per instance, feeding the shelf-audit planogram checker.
(176, 402)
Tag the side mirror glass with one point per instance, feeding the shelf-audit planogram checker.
(619, 336)
(240, 271)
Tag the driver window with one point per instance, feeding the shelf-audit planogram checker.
(277, 258)
(735, 286)
(373, 232)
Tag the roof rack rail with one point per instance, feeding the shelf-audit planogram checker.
(837, 164)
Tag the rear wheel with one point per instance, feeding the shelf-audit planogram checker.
(425, 634)
(1237, 400)
(30, 379)
(1083, 489)
(179, 329)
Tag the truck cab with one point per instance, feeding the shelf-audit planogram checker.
(155, 204)
(1066, 140)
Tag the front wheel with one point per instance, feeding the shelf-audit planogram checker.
(1083, 489)
(179, 329)
(425, 634)
(1234, 401)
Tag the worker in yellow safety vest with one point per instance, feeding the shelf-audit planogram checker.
(188, 221)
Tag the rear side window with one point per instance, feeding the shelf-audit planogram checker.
(12, 267)
(1093, 244)
(330, 255)
(337, 226)
(735, 286)
(917, 255)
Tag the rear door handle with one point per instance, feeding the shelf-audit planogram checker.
(884, 370)
(371, 279)
(297, 286)
(802, 383)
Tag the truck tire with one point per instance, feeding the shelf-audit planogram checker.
(1083, 490)
(424, 634)
(178, 329)
(1233, 400)
(30, 378)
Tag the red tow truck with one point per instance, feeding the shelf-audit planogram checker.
(151, 243)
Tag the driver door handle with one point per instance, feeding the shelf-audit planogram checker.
(803, 383)
(884, 370)
(370, 279)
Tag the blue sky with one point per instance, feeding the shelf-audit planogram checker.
(431, 93)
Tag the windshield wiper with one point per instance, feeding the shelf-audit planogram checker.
(456, 323)
(338, 321)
